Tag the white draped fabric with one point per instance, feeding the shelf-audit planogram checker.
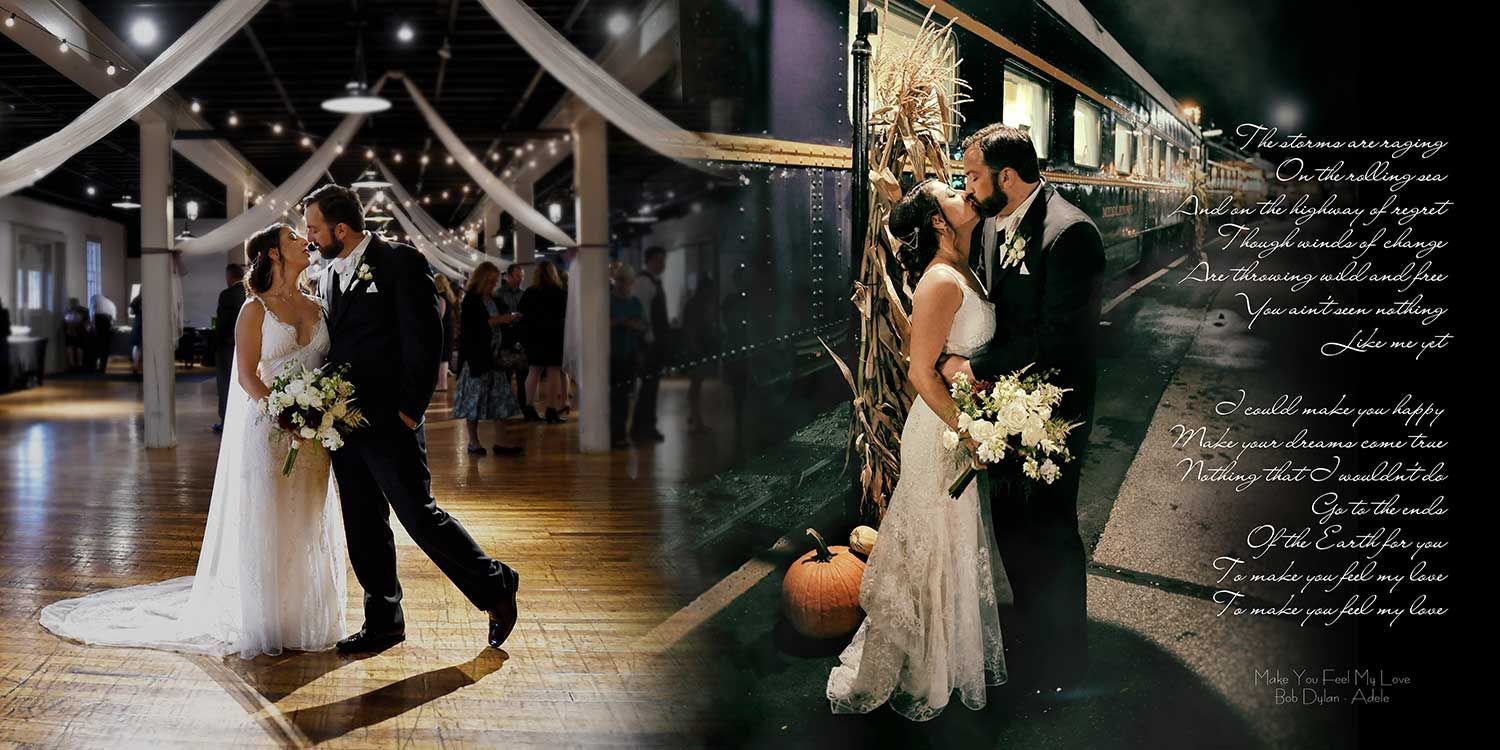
(34, 162)
(449, 264)
(589, 82)
(503, 196)
(277, 202)
(426, 226)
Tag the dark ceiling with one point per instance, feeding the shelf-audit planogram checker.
(483, 89)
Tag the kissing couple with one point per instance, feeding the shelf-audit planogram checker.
(270, 572)
(1007, 274)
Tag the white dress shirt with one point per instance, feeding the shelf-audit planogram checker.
(345, 266)
(1009, 223)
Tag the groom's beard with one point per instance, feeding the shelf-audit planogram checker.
(991, 206)
(332, 249)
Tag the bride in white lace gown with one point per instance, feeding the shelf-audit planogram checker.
(932, 626)
(270, 573)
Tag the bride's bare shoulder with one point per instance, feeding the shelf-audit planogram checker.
(939, 282)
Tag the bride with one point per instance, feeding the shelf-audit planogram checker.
(271, 570)
(932, 624)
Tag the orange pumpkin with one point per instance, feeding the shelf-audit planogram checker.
(820, 593)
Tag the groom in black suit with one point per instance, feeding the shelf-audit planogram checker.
(1042, 261)
(384, 325)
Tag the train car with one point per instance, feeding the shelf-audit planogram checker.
(769, 86)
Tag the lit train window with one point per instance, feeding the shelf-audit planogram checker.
(1171, 163)
(1086, 134)
(1142, 166)
(1157, 149)
(1028, 107)
(1124, 146)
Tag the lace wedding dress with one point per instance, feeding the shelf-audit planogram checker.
(932, 625)
(270, 573)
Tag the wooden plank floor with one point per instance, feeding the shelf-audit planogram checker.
(84, 506)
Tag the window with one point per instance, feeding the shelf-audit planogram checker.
(1171, 162)
(1086, 136)
(33, 290)
(898, 29)
(1028, 107)
(93, 252)
(1156, 157)
(1124, 147)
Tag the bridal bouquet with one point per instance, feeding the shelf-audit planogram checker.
(1010, 419)
(309, 404)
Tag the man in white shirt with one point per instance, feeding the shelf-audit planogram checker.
(104, 323)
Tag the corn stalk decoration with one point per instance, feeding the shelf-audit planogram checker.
(911, 118)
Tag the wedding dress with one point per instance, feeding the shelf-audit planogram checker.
(270, 572)
(932, 625)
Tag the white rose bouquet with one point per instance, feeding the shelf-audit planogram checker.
(309, 404)
(1010, 420)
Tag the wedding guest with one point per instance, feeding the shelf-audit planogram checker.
(104, 328)
(627, 330)
(75, 333)
(482, 391)
(700, 323)
(5, 379)
(543, 310)
(137, 330)
(231, 299)
(655, 348)
(510, 355)
(447, 304)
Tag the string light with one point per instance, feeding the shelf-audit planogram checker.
(369, 153)
(306, 142)
(396, 157)
(234, 120)
(10, 23)
(448, 160)
(424, 160)
(276, 128)
(62, 46)
(109, 70)
(195, 107)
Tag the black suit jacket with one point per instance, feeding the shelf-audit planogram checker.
(388, 331)
(475, 336)
(1049, 318)
(227, 314)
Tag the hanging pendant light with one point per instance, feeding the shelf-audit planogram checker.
(368, 180)
(126, 203)
(357, 99)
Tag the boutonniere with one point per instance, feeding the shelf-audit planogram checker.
(363, 272)
(1014, 251)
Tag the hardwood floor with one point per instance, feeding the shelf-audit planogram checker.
(84, 506)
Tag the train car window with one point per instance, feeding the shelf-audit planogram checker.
(1171, 163)
(1086, 133)
(1142, 166)
(1028, 107)
(1124, 146)
(1157, 149)
(899, 27)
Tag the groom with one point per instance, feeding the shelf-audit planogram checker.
(1042, 261)
(384, 325)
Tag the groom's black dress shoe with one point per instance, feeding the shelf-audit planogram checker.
(503, 615)
(365, 642)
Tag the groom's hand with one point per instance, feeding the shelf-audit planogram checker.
(952, 365)
(411, 424)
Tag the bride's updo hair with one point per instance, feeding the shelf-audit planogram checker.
(259, 271)
(911, 224)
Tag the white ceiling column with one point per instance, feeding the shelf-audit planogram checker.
(160, 326)
(590, 280)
